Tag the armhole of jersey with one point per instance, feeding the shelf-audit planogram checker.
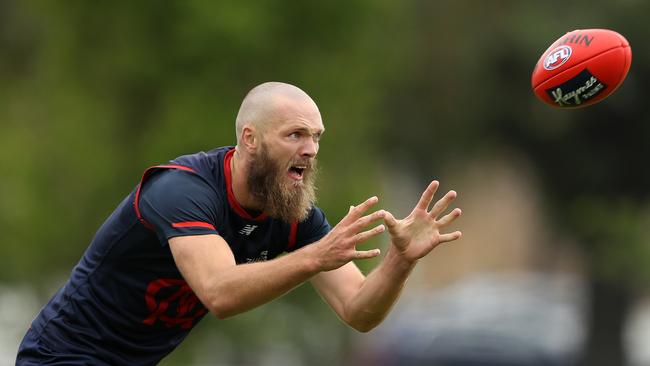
(145, 175)
(292, 236)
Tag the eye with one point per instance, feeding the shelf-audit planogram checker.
(294, 135)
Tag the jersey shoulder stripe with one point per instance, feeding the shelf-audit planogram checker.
(193, 224)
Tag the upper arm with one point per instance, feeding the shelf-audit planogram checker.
(338, 286)
(199, 258)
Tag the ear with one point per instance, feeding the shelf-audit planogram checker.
(249, 138)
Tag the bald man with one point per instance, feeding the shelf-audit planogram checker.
(205, 233)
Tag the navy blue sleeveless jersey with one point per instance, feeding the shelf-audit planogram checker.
(126, 303)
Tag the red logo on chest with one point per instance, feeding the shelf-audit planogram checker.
(172, 302)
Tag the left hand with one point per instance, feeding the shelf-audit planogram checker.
(416, 235)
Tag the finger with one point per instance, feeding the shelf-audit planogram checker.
(450, 217)
(445, 238)
(365, 235)
(365, 254)
(427, 195)
(355, 212)
(442, 204)
(366, 220)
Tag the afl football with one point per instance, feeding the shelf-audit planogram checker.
(581, 68)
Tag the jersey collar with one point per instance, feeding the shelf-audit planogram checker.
(231, 196)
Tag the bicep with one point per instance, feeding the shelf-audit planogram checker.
(199, 258)
(338, 286)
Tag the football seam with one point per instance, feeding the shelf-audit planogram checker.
(628, 63)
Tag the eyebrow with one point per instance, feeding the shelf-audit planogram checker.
(318, 131)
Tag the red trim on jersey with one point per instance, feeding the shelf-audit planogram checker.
(145, 175)
(292, 235)
(193, 224)
(231, 196)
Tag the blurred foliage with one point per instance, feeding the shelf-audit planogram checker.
(91, 93)
(96, 92)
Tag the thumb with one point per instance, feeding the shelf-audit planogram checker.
(390, 220)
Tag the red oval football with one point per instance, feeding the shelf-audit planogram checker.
(581, 68)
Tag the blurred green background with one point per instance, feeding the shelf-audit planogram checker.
(92, 93)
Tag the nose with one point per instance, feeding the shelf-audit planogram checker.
(309, 148)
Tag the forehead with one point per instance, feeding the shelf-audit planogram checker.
(301, 114)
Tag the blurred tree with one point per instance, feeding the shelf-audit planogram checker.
(96, 92)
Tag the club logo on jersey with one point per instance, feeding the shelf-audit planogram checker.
(557, 57)
(577, 90)
(172, 302)
(247, 230)
(264, 255)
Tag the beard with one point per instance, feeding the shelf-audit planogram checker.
(282, 198)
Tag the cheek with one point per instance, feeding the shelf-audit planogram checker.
(278, 155)
(286, 151)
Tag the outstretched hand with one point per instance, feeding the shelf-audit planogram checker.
(338, 247)
(416, 235)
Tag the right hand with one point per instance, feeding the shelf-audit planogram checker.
(338, 247)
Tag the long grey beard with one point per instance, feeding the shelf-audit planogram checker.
(286, 202)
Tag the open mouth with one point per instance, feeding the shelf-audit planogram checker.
(297, 171)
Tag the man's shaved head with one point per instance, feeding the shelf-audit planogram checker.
(270, 102)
